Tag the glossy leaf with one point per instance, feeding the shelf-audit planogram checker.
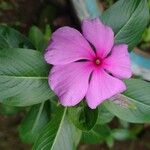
(83, 117)
(136, 107)
(122, 134)
(10, 38)
(37, 38)
(58, 134)
(98, 134)
(104, 116)
(36, 118)
(23, 77)
(128, 19)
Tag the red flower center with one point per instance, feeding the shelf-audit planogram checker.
(97, 61)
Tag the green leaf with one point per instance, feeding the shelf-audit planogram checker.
(23, 77)
(98, 134)
(83, 117)
(128, 20)
(37, 38)
(36, 118)
(3, 42)
(110, 141)
(104, 116)
(6, 5)
(135, 102)
(58, 134)
(10, 38)
(47, 33)
(122, 134)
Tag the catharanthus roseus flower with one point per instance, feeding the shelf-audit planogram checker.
(83, 71)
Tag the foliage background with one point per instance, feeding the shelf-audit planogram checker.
(22, 16)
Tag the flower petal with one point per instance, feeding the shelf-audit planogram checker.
(67, 45)
(102, 86)
(99, 35)
(118, 63)
(70, 82)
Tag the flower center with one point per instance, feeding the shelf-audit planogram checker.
(97, 61)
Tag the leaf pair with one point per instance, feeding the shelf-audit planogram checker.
(59, 133)
(128, 19)
(23, 72)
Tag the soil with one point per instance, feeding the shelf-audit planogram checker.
(9, 138)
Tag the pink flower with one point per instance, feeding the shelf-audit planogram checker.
(83, 71)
